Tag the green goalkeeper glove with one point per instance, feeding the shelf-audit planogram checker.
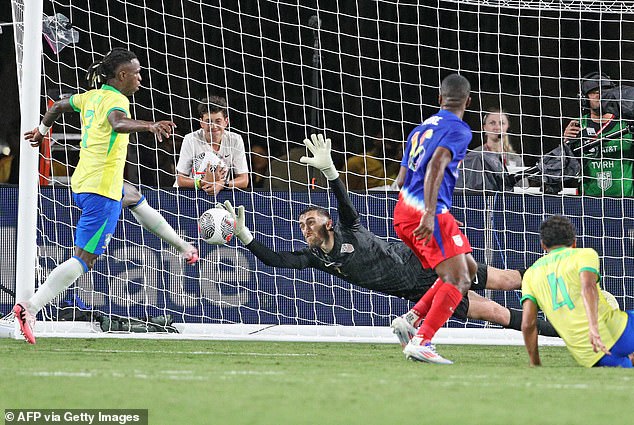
(320, 148)
(242, 232)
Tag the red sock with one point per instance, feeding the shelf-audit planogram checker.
(445, 302)
(425, 302)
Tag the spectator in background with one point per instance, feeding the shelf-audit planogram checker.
(157, 163)
(378, 165)
(260, 174)
(607, 168)
(6, 160)
(288, 174)
(11, 160)
(230, 169)
(486, 167)
(495, 129)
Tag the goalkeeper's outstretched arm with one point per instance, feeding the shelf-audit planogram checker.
(348, 215)
(293, 260)
(320, 147)
(290, 260)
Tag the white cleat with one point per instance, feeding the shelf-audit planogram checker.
(403, 330)
(416, 350)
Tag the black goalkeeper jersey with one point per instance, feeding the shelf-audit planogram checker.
(358, 256)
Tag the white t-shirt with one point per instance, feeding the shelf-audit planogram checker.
(195, 147)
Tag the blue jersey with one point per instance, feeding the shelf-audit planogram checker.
(442, 129)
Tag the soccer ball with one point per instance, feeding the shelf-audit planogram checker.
(200, 163)
(216, 226)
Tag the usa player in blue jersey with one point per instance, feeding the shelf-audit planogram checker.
(422, 218)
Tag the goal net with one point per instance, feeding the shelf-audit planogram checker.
(366, 72)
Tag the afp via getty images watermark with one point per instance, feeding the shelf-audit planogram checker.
(76, 416)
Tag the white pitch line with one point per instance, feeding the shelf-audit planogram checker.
(59, 374)
(173, 375)
(252, 372)
(197, 353)
(449, 381)
(453, 380)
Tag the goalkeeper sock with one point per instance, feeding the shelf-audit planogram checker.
(153, 221)
(421, 308)
(516, 320)
(543, 327)
(60, 278)
(443, 306)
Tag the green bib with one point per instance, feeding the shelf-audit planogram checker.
(608, 168)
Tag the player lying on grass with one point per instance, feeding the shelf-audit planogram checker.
(564, 284)
(353, 253)
(97, 183)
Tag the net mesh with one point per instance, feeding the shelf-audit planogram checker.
(365, 71)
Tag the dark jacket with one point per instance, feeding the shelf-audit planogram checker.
(484, 171)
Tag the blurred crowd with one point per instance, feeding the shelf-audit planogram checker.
(595, 157)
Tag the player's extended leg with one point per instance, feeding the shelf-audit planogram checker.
(61, 278)
(406, 326)
(154, 222)
(57, 282)
(481, 308)
(455, 275)
(506, 280)
(98, 220)
(503, 280)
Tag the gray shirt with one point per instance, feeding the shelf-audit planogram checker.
(484, 170)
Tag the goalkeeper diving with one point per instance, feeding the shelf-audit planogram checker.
(353, 253)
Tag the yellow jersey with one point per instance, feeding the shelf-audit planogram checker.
(554, 284)
(102, 150)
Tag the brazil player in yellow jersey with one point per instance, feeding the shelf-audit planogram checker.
(97, 183)
(564, 284)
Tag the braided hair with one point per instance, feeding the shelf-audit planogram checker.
(104, 69)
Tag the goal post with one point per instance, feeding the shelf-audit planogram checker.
(29, 50)
(365, 71)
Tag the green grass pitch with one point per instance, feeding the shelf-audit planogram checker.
(229, 382)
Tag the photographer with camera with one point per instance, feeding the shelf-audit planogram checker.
(606, 166)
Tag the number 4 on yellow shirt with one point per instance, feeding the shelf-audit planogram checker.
(557, 285)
